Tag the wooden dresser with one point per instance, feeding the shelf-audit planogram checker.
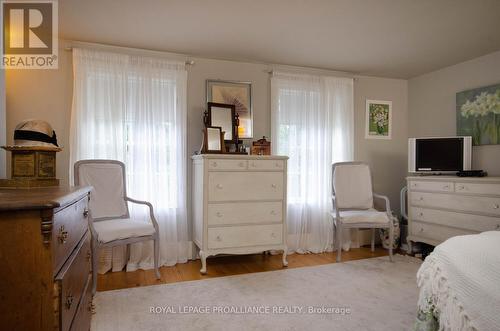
(239, 204)
(45, 259)
(440, 207)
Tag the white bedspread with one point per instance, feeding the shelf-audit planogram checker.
(461, 279)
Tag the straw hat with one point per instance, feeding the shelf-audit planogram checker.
(35, 133)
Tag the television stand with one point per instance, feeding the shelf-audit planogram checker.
(441, 207)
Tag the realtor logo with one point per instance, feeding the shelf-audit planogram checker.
(29, 34)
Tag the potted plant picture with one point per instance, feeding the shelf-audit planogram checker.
(478, 115)
(378, 119)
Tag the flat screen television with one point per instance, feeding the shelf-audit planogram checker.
(439, 154)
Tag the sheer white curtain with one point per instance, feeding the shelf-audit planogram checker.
(133, 109)
(312, 123)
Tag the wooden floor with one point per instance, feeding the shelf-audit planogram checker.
(225, 266)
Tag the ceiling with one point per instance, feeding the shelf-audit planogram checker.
(388, 38)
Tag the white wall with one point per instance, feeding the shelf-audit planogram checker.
(47, 94)
(432, 109)
(387, 158)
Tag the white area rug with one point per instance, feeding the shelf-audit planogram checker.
(370, 294)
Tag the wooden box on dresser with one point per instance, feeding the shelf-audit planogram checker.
(45, 259)
(239, 204)
(440, 207)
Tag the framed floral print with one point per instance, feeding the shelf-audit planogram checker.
(238, 94)
(478, 115)
(378, 119)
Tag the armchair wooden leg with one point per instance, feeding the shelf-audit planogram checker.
(338, 230)
(373, 239)
(391, 240)
(157, 257)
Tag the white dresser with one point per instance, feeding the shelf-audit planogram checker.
(239, 204)
(440, 207)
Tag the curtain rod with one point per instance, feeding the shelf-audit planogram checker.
(325, 73)
(187, 62)
(272, 66)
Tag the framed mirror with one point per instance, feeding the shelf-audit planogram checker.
(223, 116)
(213, 140)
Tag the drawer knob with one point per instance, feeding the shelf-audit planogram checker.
(498, 227)
(446, 187)
(214, 164)
(461, 187)
(69, 300)
(273, 185)
(63, 235)
(420, 214)
(219, 186)
(278, 165)
(218, 238)
(496, 206)
(273, 235)
(273, 212)
(85, 213)
(421, 229)
(421, 199)
(219, 214)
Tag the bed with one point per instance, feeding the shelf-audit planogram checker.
(459, 285)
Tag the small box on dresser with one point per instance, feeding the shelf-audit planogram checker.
(441, 207)
(45, 259)
(239, 204)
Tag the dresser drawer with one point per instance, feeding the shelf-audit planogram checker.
(244, 186)
(69, 226)
(242, 236)
(473, 204)
(464, 221)
(81, 322)
(473, 188)
(70, 282)
(219, 164)
(266, 165)
(244, 213)
(436, 232)
(431, 186)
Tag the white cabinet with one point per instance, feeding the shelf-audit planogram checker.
(239, 204)
(440, 207)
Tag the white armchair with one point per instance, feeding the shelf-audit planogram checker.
(353, 203)
(109, 218)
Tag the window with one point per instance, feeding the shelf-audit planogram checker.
(312, 119)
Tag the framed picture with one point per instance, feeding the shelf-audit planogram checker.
(238, 94)
(478, 115)
(378, 119)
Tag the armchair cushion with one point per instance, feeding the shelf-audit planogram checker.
(352, 184)
(122, 228)
(371, 216)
